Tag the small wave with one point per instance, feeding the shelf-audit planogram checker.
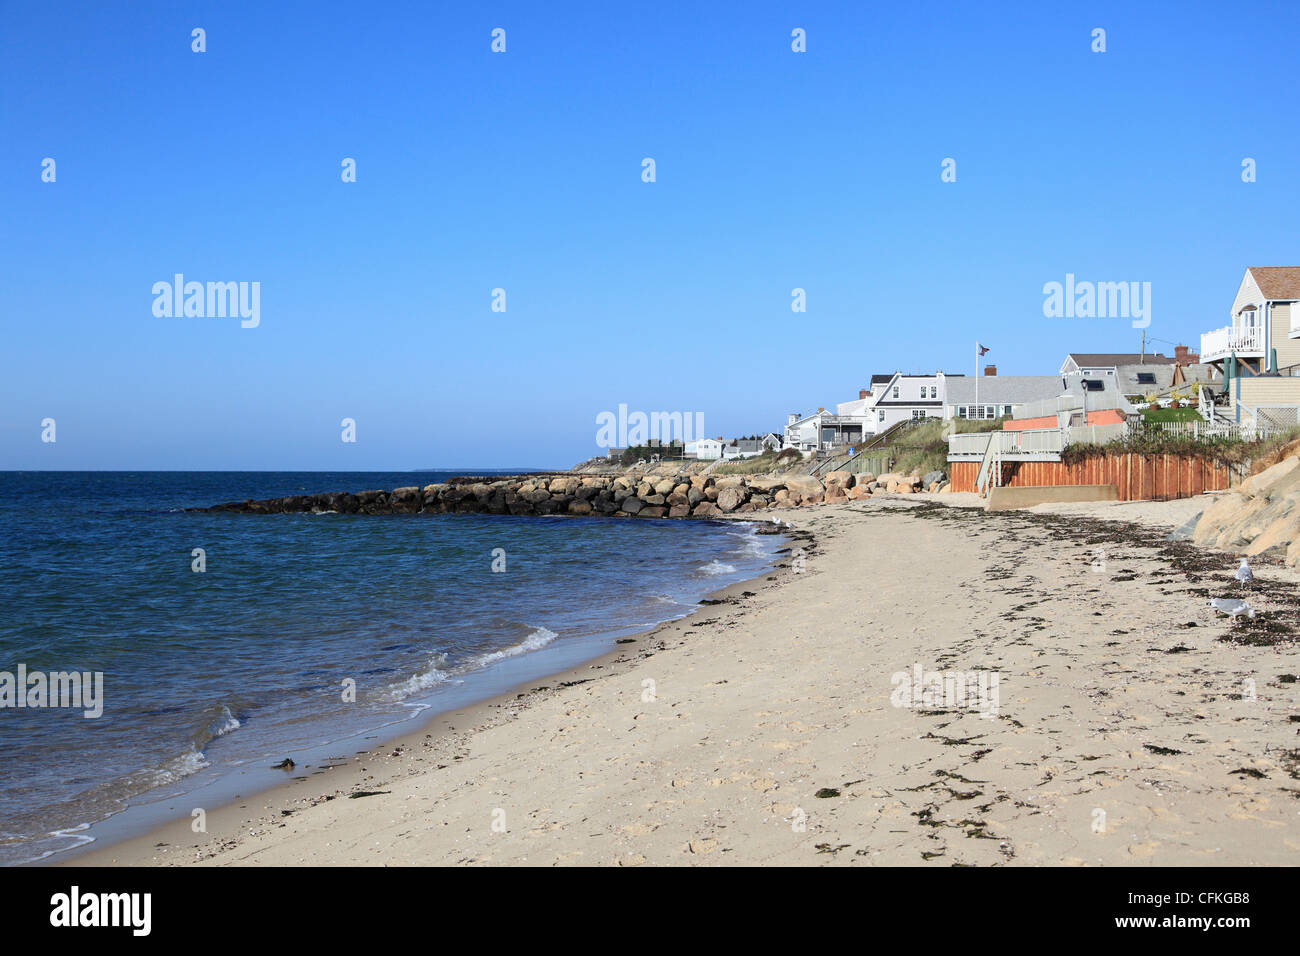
(225, 723)
(192, 761)
(533, 642)
(435, 674)
(751, 546)
(717, 567)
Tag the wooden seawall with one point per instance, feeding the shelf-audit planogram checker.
(1136, 477)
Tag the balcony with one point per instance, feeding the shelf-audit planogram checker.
(1244, 340)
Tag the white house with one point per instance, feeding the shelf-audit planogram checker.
(898, 397)
(825, 430)
(707, 449)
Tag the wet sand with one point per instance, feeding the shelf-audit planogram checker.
(1132, 725)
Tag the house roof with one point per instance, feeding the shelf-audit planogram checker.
(1004, 389)
(1163, 376)
(1277, 282)
(1115, 359)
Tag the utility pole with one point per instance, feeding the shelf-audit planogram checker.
(1144, 348)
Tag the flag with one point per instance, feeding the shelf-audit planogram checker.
(983, 348)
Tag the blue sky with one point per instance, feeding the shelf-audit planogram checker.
(522, 171)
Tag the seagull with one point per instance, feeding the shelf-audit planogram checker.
(1244, 574)
(1232, 607)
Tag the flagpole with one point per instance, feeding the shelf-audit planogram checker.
(977, 377)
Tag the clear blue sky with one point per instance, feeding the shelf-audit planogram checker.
(523, 171)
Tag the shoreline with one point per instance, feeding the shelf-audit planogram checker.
(485, 705)
(773, 738)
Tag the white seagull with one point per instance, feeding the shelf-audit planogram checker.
(1244, 574)
(1232, 607)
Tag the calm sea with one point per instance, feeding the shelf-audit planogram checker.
(249, 661)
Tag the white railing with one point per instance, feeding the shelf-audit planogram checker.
(1041, 443)
(1241, 339)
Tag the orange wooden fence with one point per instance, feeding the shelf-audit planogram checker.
(1137, 477)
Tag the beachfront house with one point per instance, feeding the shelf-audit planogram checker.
(997, 396)
(1106, 364)
(1257, 355)
(705, 449)
(747, 447)
(823, 430)
(1135, 382)
(898, 398)
(1263, 334)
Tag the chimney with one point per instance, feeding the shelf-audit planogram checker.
(990, 370)
(1184, 356)
(792, 418)
(863, 393)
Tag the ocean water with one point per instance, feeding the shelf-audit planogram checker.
(246, 663)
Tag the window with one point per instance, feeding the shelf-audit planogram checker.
(959, 411)
(881, 415)
(1006, 410)
(1146, 378)
(934, 391)
(918, 413)
(1094, 385)
(895, 391)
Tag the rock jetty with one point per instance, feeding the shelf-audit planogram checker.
(626, 496)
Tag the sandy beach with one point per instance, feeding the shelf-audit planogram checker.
(1132, 725)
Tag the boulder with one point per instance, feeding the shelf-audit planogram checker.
(729, 499)
(631, 505)
(580, 506)
(842, 478)
(680, 510)
(706, 509)
(562, 486)
(802, 487)
(933, 477)
(764, 485)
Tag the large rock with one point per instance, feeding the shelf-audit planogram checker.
(706, 509)
(563, 486)
(803, 487)
(631, 505)
(764, 485)
(731, 498)
(844, 479)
